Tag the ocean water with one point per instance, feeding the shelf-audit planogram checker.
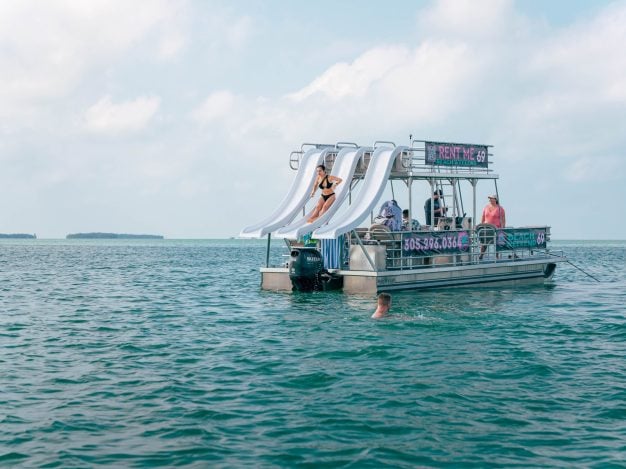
(167, 353)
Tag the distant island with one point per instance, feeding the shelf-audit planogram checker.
(111, 236)
(17, 236)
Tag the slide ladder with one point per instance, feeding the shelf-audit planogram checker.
(374, 184)
(295, 199)
(344, 167)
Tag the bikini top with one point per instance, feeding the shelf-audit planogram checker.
(328, 183)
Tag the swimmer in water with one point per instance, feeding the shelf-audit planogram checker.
(384, 305)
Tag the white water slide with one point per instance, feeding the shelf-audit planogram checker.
(295, 199)
(372, 189)
(344, 167)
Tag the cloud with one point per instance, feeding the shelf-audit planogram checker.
(552, 100)
(47, 47)
(171, 44)
(549, 99)
(217, 105)
(588, 169)
(571, 93)
(354, 79)
(482, 71)
(584, 63)
(239, 31)
(467, 20)
(106, 117)
(383, 91)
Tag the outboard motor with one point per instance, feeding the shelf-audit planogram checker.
(305, 269)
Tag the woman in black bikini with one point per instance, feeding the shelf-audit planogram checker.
(326, 183)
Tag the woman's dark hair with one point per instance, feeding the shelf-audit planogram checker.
(322, 166)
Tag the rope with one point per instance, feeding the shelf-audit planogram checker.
(579, 268)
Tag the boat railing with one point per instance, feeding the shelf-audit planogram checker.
(294, 159)
(295, 156)
(412, 161)
(407, 250)
(382, 143)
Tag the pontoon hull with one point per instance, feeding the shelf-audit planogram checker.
(513, 273)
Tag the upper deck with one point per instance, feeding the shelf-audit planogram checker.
(423, 159)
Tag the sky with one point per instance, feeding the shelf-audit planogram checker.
(178, 117)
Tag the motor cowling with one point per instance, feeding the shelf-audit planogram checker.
(305, 268)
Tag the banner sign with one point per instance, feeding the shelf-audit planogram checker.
(456, 154)
(521, 238)
(432, 243)
(435, 242)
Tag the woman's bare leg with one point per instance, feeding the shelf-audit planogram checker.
(316, 211)
(326, 206)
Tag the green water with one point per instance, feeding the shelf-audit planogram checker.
(167, 353)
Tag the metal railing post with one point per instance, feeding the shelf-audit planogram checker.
(369, 259)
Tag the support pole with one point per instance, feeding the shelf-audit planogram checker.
(267, 254)
(432, 203)
(473, 182)
(455, 206)
(495, 183)
(410, 204)
(369, 259)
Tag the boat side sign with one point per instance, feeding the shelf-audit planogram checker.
(456, 154)
(433, 243)
(451, 242)
(520, 238)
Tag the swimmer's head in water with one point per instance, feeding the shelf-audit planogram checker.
(384, 299)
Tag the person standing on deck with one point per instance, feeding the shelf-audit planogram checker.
(439, 210)
(493, 213)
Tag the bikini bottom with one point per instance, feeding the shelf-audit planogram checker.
(326, 197)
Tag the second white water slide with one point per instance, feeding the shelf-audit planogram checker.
(345, 164)
(295, 199)
(372, 189)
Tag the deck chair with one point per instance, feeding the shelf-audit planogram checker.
(380, 233)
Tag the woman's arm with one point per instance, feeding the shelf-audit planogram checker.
(314, 187)
(335, 179)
